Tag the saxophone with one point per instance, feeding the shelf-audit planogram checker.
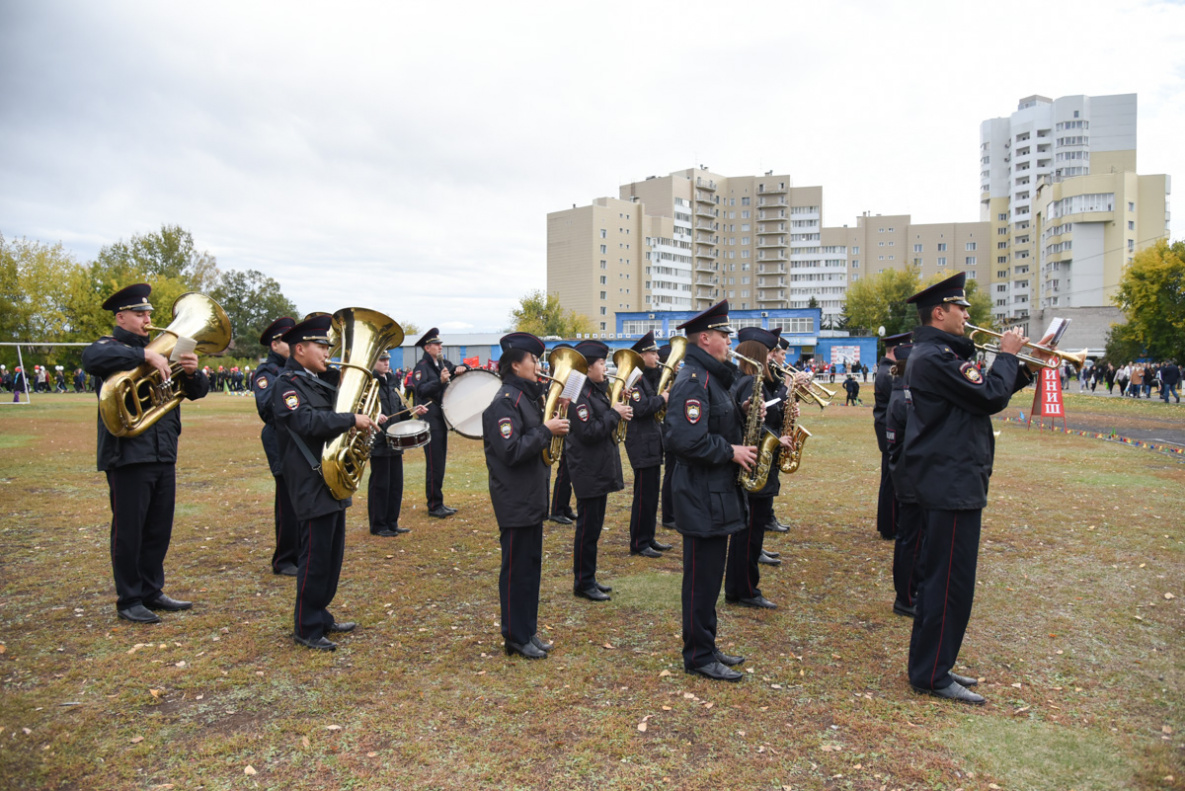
(767, 445)
(792, 456)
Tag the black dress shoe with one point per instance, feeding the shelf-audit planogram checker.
(342, 626)
(440, 512)
(385, 533)
(648, 553)
(781, 524)
(759, 602)
(138, 613)
(163, 602)
(537, 641)
(768, 561)
(670, 525)
(559, 519)
(768, 554)
(715, 671)
(955, 691)
(528, 650)
(450, 509)
(966, 681)
(570, 514)
(318, 643)
(603, 588)
(901, 608)
(775, 527)
(727, 660)
(661, 547)
(287, 571)
(592, 593)
(399, 529)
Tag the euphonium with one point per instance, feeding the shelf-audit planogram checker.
(627, 361)
(364, 335)
(670, 369)
(563, 361)
(131, 401)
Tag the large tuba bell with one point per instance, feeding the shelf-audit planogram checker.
(629, 367)
(568, 372)
(132, 401)
(363, 334)
(670, 369)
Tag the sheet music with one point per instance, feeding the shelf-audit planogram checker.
(184, 346)
(1058, 327)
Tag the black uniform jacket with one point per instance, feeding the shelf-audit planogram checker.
(264, 386)
(643, 438)
(896, 418)
(303, 407)
(882, 387)
(594, 459)
(702, 425)
(388, 385)
(122, 351)
(514, 436)
(949, 442)
(425, 378)
(742, 391)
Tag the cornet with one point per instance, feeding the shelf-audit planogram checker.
(1076, 360)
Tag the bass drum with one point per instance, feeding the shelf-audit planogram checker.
(467, 396)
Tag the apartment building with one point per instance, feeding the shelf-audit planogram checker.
(1066, 208)
(893, 241)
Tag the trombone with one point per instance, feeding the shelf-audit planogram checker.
(1076, 360)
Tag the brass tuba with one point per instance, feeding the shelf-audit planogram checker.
(363, 334)
(563, 361)
(130, 402)
(627, 361)
(670, 369)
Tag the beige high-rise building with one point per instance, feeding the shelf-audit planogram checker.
(1067, 210)
(892, 241)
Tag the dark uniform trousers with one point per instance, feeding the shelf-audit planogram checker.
(910, 519)
(385, 492)
(703, 569)
(886, 503)
(949, 555)
(645, 506)
(287, 529)
(142, 499)
(518, 584)
(742, 576)
(434, 458)
(668, 499)
(561, 502)
(322, 547)
(590, 517)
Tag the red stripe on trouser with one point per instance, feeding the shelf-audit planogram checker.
(945, 599)
(509, 584)
(691, 611)
(581, 515)
(303, 583)
(913, 568)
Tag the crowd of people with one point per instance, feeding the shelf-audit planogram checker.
(1132, 379)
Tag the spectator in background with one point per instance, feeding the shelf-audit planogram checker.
(1170, 378)
(1136, 382)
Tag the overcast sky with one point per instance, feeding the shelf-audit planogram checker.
(404, 157)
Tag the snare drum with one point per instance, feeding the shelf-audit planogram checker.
(408, 434)
(467, 396)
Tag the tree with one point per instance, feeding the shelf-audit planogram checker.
(879, 301)
(1152, 296)
(252, 301)
(543, 315)
(168, 254)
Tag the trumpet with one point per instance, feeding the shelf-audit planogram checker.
(1076, 360)
(813, 391)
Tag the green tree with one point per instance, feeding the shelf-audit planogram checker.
(1152, 296)
(252, 301)
(879, 301)
(543, 315)
(165, 255)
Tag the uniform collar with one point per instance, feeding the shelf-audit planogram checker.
(130, 338)
(277, 360)
(961, 345)
(725, 372)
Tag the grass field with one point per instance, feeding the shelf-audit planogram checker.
(1077, 634)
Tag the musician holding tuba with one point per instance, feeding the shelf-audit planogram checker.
(643, 446)
(515, 432)
(947, 454)
(305, 421)
(141, 469)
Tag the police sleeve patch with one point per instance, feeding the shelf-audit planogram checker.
(261, 382)
(582, 413)
(971, 373)
(505, 428)
(419, 375)
(291, 399)
(637, 395)
(693, 409)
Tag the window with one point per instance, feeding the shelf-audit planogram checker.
(970, 260)
(942, 247)
(917, 248)
(1131, 206)
(603, 280)
(603, 295)
(604, 264)
(970, 246)
(855, 263)
(604, 234)
(855, 250)
(941, 261)
(744, 201)
(604, 249)
(1002, 216)
(602, 325)
(1131, 225)
(604, 311)
(745, 213)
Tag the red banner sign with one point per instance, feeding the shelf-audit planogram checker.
(1047, 402)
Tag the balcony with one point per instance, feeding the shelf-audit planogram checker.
(704, 184)
(779, 241)
(771, 296)
(772, 189)
(769, 226)
(705, 210)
